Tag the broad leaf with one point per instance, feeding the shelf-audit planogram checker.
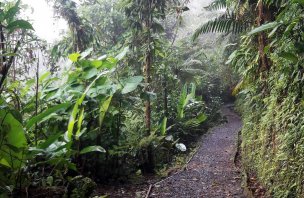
(39, 117)
(264, 27)
(289, 56)
(44, 76)
(90, 73)
(104, 106)
(163, 127)
(50, 140)
(11, 13)
(97, 63)
(74, 57)
(15, 134)
(90, 149)
(196, 121)
(19, 24)
(73, 117)
(5, 163)
(80, 120)
(131, 84)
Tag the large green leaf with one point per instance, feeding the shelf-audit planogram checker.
(289, 56)
(11, 151)
(97, 63)
(41, 116)
(73, 117)
(19, 24)
(90, 73)
(79, 124)
(44, 76)
(90, 149)
(5, 163)
(196, 121)
(74, 57)
(11, 12)
(16, 134)
(50, 140)
(131, 84)
(264, 27)
(184, 99)
(182, 102)
(104, 106)
(163, 126)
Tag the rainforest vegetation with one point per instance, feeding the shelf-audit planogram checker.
(122, 95)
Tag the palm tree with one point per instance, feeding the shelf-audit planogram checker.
(239, 17)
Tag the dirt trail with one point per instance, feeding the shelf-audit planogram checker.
(211, 172)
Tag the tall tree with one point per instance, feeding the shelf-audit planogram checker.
(67, 9)
(143, 16)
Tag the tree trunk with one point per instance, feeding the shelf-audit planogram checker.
(263, 16)
(149, 164)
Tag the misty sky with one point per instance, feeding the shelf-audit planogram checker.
(41, 16)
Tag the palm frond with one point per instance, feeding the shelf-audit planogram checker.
(216, 5)
(220, 25)
(277, 3)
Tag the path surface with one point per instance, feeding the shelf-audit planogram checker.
(211, 172)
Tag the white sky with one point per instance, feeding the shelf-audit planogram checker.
(42, 19)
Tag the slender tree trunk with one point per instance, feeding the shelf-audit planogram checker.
(148, 102)
(149, 165)
(263, 16)
(6, 64)
(36, 100)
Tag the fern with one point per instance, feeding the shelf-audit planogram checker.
(221, 24)
(228, 22)
(277, 3)
(217, 5)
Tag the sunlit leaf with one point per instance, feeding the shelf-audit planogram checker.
(163, 127)
(5, 163)
(97, 63)
(74, 57)
(104, 106)
(79, 123)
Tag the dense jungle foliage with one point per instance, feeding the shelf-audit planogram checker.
(119, 95)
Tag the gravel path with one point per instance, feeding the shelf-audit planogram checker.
(211, 172)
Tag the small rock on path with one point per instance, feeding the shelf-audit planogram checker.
(211, 172)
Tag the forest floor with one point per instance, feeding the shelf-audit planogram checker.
(211, 172)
